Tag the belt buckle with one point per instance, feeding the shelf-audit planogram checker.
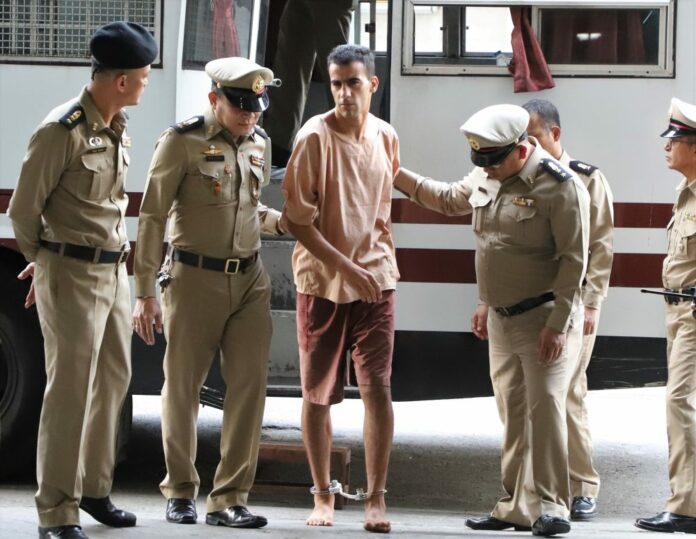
(236, 267)
(123, 256)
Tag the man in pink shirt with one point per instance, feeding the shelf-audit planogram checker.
(338, 187)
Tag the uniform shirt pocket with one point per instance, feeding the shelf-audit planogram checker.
(687, 240)
(256, 180)
(93, 180)
(522, 225)
(207, 184)
(480, 202)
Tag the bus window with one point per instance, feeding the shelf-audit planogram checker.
(36, 31)
(216, 29)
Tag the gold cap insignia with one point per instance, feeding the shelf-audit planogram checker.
(258, 86)
(474, 144)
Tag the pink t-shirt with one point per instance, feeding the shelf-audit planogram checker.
(344, 188)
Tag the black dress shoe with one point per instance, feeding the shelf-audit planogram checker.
(668, 522)
(62, 532)
(102, 510)
(236, 516)
(492, 523)
(583, 508)
(548, 525)
(181, 511)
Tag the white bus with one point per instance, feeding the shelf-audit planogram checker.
(616, 64)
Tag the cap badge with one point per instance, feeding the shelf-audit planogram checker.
(95, 141)
(258, 86)
(474, 144)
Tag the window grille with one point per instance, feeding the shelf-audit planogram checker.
(58, 31)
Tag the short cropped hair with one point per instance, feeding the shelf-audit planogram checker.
(546, 112)
(99, 69)
(344, 55)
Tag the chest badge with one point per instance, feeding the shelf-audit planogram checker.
(95, 141)
(228, 169)
(523, 202)
(217, 187)
(257, 161)
(213, 154)
(126, 141)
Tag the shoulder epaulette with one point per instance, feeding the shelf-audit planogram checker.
(74, 116)
(555, 169)
(259, 131)
(188, 125)
(582, 168)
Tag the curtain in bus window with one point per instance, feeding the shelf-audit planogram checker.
(225, 37)
(529, 69)
(598, 36)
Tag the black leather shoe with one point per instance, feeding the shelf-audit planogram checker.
(548, 525)
(668, 522)
(181, 511)
(102, 510)
(236, 516)
(492, 523)
(583, 508)
(62, 532)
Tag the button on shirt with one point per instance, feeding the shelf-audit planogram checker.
(679, 267)
(72, 184)
(531, 232)
(209, 185)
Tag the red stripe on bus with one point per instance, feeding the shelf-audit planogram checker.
(630, 270)
(626, 214)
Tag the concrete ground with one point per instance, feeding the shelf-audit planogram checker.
(445, 466)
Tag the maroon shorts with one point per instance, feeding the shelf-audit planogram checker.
(327, 330)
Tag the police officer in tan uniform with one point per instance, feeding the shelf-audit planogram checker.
(545, 127)
(679, 275)
(530, 218)
(206, 175)
(309, 30)
(68, 212)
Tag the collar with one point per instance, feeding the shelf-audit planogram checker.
(529, 171)
(95, 122)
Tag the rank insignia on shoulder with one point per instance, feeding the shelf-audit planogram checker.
(257, 161)
(582, 168)
(73, 117)
(555, 169)
(483, 190)
(524, 202)
(188, 125)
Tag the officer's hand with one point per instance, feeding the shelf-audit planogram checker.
(590, 320)
(551, 343)
(479, 321)
(147, 313)
(363, 281)
(28, 272)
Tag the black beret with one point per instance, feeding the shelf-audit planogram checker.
(123, 45)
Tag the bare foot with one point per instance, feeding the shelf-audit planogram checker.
(323, 514)
(376, 515)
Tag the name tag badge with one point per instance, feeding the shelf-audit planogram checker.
(523, 202)
(97, 150)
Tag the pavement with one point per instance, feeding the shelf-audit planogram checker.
(444, 467)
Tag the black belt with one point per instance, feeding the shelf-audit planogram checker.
(230, 266)
(676, 301)
(92, 254)
(524, 305)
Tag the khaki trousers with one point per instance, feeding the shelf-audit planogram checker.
(531, 401)
(584, 479)
(681, 408)
(309, 29)
(84, 311)
(206, 311)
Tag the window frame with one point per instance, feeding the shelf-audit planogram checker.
(663, 69)
(71, 61)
